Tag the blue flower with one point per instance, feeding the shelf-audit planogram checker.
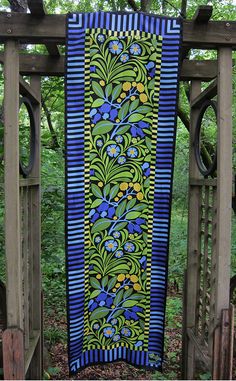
(151, 68)
(99, 143)
(137, 129)
(105, 111)
(130, 315)
(104, 299)
(96, 326)
(97, 239)
(134, 225)
(92, 69)
(101, 38)
(135, 49)
(111, 245)
(146, 168)
(104, 206)
(119, 139)
(138, 344)
(129, 246)
(116, 234)
(114, 321)
(143, 262)
(126, 332)
(113, 150)
(116, 338)
(101, 296)
(105, 116)
(119, 254)
(115, 47)
(132, 152)
(124, 57)
(109, 331)
(121, 160)
(92, 305)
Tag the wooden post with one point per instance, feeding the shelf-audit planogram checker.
(13, 355)
(11, 187)
(193, 261)
(35, 232)
(224, 195)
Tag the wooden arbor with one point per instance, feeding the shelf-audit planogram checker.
(207, 330)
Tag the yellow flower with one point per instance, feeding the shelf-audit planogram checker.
(116, 198)
(120, 194)
(123, 95)
(134, 278)
(114, 289)
(131, 236)
(134, 84)
(137, 187)
(98, 276)
(115, 218)
(129, 197)
(119, 100)
(149, 78)
(117, 120)
(121, 277)
(126, 86)
(117, 285)
(127, 276)
(100, 184)
(126, 287)
(137, 287)
(102, 83)
(143, 98)
(140, 87)
(123, 186)
(132, 98)
(131, 184)
(139, 196)
(134, 140)
(113, 306)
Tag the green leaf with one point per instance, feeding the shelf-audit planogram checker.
(121, 208)
(104, 281)
(96, 203)
(129, 303)
(97, 89)
(118, 297)
(134, 105)
(95, 293)
(95, 283)
(128, 293)
(114, 191)
(106, 190)
(116, 91)
(96, 191)
(121, 225)
(102, 127)
(132, 215)
(99, 313)
(144, 109)
(123, 110)
(98, 102)
(121, 130)
(108, 90)
(101, 224)
(111, 283)
(131, 203)
(117, 313)
(135, 118)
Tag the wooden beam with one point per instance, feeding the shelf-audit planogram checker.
(36, 8)
(27, 91)
(29, 29)
(203, 14)
(209, 93)
(13, 354)
(205, 70)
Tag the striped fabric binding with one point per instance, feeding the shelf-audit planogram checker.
(76, 179)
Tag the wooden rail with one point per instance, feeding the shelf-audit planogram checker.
(52, 28)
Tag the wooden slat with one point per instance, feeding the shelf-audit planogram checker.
(53, 28)
(27, 91)
(198, 69)
(32, 347)
(224, 181)
(202, 350)
(203, 182)
(226, 350)
(36, 368)
(209, 93)
(11, 187)
(30, 181)
(194, 249)
(203, 14)
(13, 354)
(25, 253)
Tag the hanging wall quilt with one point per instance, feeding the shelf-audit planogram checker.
(121, 98)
